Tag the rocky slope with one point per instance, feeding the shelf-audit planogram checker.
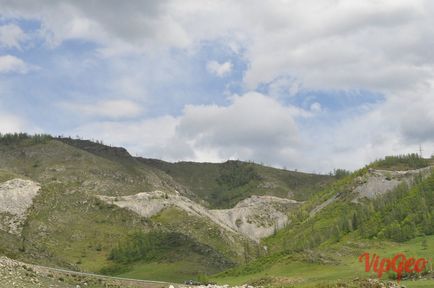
(376, 183)
(16, 197)
(68, 203)
(255, 217)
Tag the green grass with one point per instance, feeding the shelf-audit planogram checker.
(6, 175)
(204, 231)
(177, 272)
(344, 263)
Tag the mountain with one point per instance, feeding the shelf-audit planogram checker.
(82, 205)
(86, 206)
(384, 208)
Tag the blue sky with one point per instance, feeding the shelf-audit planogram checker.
(305, 85)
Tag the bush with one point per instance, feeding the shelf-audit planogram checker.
(234, 174)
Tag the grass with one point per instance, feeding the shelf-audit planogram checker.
(346, 267)
(204, 231)
(6, 175)
(177, 272)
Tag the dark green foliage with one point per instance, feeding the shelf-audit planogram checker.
(168, 246)
(141, 246)
(14, 138)
(403, 214)
(223, 185)
(401, 162)
(234, 174)
(98, 148)
(235, 180)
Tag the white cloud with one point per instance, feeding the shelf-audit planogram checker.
(12, 64)
(145, 24)
(149, 138)
(380, 46)
(340, 44)
(253, 126)
(325, 45)
(11, 36)
(315, 107)
(115, 108)
(10, 123)
(218, 69)
(258, 127)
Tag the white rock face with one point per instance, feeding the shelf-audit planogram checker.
(16, 196)
(380, 182)
(255, 217)
(376, 183)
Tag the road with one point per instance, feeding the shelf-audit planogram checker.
(114, 280)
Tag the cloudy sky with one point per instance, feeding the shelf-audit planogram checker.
(307, 85)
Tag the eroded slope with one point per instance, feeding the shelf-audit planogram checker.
(255, 217)
(16, 197)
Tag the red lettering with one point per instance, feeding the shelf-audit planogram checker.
(416, 265)
(398, 269)
(399, 263)
(376, 258)
(408, 264)
(368, 263)
(383, 268)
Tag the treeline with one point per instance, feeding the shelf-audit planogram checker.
(234, 182)
(402, 215)
(234, 174)
(159, 245)
(146, 246)
(340, 173)
(401, 162)
(13, 138)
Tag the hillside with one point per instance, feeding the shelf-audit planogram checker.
(386, 211)
(65, 203)
(223, 185)
(85, 206)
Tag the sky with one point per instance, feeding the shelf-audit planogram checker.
(297, 84)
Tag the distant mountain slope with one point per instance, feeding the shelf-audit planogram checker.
(87, 206)
(370, 210)
(223, 185)
(73, 218)
(219, 185)
(394, 207)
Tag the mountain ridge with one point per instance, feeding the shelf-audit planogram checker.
(69, 225)
(98, 206)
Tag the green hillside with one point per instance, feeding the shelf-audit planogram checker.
(323, 247)
(223, 185)
(68, 226)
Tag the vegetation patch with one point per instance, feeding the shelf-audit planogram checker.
(156, 246)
